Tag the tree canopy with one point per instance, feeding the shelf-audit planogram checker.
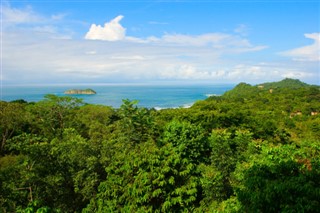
(253, 149)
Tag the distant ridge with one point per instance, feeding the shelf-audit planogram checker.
(285, 83)
(245, 90)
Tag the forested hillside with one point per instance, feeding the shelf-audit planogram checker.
(253, 149)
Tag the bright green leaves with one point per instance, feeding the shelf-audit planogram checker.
(10, 180)
(35, 207)
(282, 179)
(12, 121)
(128, 184)
(246, 151)
(136, 123)
(152, 178)
(62, 174)
(228, 149)
(189, 141)
(94, 122)
(283, 187)
(51, 115)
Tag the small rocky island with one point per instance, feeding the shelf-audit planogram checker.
(80, 92)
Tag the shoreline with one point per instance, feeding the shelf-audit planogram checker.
(160, 97)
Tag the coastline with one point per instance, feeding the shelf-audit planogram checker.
(149, 96)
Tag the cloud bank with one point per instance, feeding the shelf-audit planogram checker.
(42, 54)
(114, 31)
(17, 16)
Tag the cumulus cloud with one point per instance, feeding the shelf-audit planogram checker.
(114, 31)
(306, 53)
(111, 31)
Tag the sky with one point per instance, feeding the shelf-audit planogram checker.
(154, 41)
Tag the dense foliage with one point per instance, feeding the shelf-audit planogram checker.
(253, 149)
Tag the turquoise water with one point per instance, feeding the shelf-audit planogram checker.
(150, 96)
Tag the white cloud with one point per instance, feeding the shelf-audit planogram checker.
(297, 75)
(45, 29)
(199, 40)
(111, 31)
(40, 60)
(157, 23)
(114, 31)
(242, 29)
(26, 15)
(232, 73)
(19, 16)
(91, 52)
(126, 57)
(59, 16)
(36, 55)
(183, 72)
(262, 72)
(306, 53)
(25, 20)
(85, 61)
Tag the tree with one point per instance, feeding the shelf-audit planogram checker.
(60, 174)
(94, 122)
(13, 119)
(228, 149)
(189, 140)
(136, 123)
(155, 177)
(282, 179)
(51, 115)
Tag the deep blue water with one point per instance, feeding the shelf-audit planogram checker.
(151, 96)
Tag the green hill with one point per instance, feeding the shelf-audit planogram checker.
(285, 83)
(244, 90)
(241, 90)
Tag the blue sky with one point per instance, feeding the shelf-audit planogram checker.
(189, 41)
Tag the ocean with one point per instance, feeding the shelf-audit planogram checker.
(150, 96)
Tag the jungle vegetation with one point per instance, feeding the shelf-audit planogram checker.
(253, 149)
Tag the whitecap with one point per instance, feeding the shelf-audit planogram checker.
(210, 95)
(187, 105)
